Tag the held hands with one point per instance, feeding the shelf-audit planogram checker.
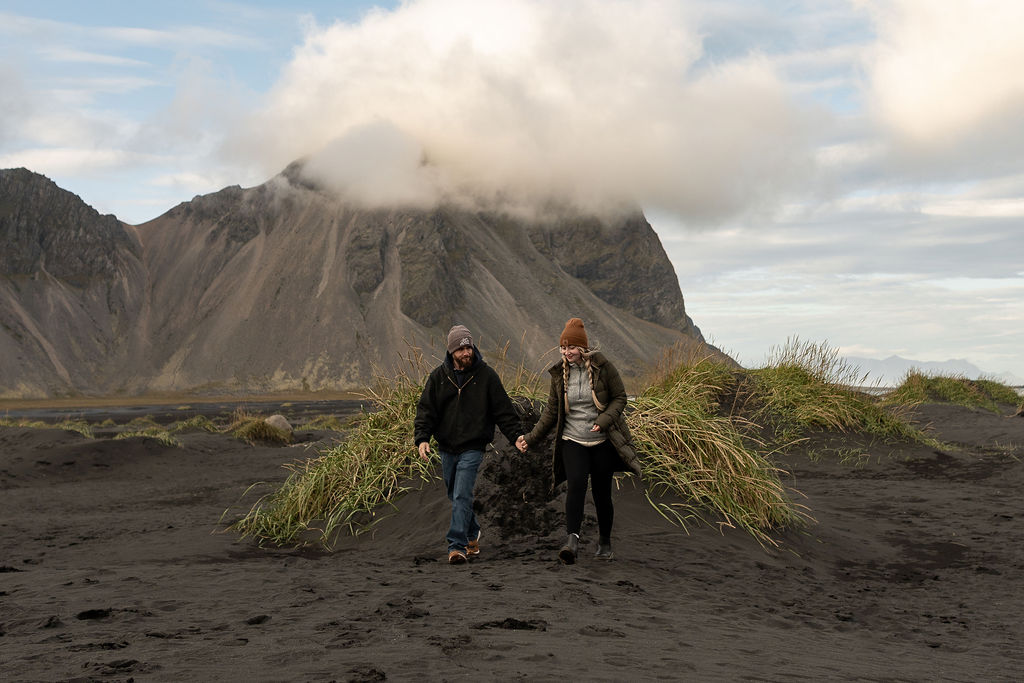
(424, 450)
(522, 445)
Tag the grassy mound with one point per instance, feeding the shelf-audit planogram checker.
(806, 387)
(986, 394)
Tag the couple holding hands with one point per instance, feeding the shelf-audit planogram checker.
(464, 399)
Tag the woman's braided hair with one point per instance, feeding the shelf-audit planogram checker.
(587, 353)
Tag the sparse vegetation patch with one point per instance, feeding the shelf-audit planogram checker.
(80, 426)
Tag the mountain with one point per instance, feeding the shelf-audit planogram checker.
(284, 286)
(72, 288)
(891, 371)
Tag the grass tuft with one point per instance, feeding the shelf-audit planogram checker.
(517, 379)
(196, 423)
(159, 433)
(254, 429)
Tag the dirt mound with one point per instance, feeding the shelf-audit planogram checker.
(514, 490)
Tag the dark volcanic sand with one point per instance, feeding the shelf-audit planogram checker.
(112, 568)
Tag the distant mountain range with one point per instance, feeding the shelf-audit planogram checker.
(891, 371)
(284, 286)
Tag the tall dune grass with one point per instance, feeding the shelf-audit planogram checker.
(349, 480)
(375, 464)
(712, 461)
(710, 456)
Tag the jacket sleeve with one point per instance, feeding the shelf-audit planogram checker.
(548, 417)
(426, 413)
(504, 413)
(616, 397)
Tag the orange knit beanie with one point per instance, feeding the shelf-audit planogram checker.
(574, 334)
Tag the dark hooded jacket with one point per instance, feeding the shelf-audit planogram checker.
(611, 392)
(461, 408)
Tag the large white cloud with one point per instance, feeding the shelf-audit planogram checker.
(945, 79)
(595, 101)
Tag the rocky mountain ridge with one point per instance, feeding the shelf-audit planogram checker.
(285, 287)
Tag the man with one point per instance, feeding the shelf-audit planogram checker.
(462, 401)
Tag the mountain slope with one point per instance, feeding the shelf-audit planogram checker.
(283, 286)
(71, 290)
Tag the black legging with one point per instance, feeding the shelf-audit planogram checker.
(597, 464)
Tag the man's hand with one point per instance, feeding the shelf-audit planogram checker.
(521, 444)
(425, 450)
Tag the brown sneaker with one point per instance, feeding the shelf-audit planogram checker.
(473, 547)
(456, 557)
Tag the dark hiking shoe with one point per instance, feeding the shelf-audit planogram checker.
(456, 557)
(473, 547)
(604, 549)
(568, 552)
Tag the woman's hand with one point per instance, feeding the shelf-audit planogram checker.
(521, 444)
(595, 428)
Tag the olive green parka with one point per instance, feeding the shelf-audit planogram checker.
(611, 393)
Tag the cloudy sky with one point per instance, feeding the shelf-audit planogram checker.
(847, 172)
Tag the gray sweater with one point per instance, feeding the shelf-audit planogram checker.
(582, 412)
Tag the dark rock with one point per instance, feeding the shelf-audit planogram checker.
(534, 507)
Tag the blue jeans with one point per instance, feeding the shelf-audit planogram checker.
(459, 470)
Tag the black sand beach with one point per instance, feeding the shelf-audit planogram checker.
(115, 566)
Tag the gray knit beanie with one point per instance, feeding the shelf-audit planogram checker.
(458, 337)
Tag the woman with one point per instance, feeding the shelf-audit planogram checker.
(591, 439)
